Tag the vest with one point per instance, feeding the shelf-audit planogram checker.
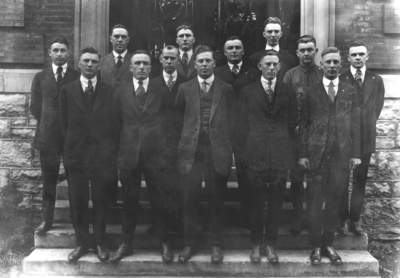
(205, 113)
(139, 100)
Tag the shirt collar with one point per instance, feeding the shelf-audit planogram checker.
(327, 81)
(166, 76)
(64, 67)
(117, 54)
(276, 48)
(264, 82)
(239, 65)
(209, 80)
(145, 83)
(309, 68)
(353, 71)
(84, 82)
(190, 53)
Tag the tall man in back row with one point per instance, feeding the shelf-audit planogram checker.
(300, 78)
(185, 40)
(371, 94)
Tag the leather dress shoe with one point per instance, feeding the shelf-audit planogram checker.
(255, 256)
(102, 254)
(166, 252)
(216, 254)
(123, 251)
(329, 252)
(186, 254)
(271, 255)
(342, 229)
(315, 256)
(77, 253)
(355, 228)
(42, 229)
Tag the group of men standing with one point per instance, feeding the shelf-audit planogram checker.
(184, 125)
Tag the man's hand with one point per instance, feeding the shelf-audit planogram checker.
(354, 162)
(304, 163)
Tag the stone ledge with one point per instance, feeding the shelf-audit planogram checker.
(16, 80)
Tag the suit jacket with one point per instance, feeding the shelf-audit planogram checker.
(371, 103)
(110, 74)
(45, 108)
(192, 73)
(91, 138)
(313, 128)
(140, 133)
(221, 124)
(268, 135)
(286, 59)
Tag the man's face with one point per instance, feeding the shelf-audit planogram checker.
(185, 39)
(89, 65)
(234, 51)
(119, 39)
(58, 53)
(169, 60)
(204, 64)
(272, 32)
(306, 53)
(358, 56)
(331, 64)
(140, 66)
(269, 66)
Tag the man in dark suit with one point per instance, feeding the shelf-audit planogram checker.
(140, 107)
(329, 145)
(206, 104)
(87, 119)
(371, 94)
(238, 75)
(272, 33)
(48, 137)
(300, 78)
(269, 121)
(172, 127)
(185, 40)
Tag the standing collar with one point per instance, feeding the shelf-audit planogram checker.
(276, 48)
(56, 67)
(208, 80)
(264, 82)
(122, 54)
(84, 82)
(190, 53)
(145, 83)
(239, 65)
(327, 81)
(166, 75)
(353, 70)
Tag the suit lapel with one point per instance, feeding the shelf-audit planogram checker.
(217, 93)
(340, 93)
(191, 67)
(51, 76)
(67, 77)
(100, 95)
(322, 96)
(77, 94)
(279, 97)
(151, 94)
(179, 68)
(128, 91)
(242, 77)
(368, 86)
(259, 95)
(111, 63)
(194, 92)
(227, 74)
(125, 64)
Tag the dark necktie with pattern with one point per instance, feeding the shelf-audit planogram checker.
(235, 69)
(331, 91)
(59, 75)
(204, 87)
(184, 62)
(269, 91)
(119, 62)
(170, 83)
(140, 92)
(89, 89)
(358, 77)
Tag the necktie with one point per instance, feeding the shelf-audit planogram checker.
(59, 75)
(269, 91)
(204, 87)
(235, 69)
(184, 62)
(119, 62)
(170, 83)
(89, 89)
(358, 77)
(331, 91)
(140, 90)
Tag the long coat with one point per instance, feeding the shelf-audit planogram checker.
(110, 74)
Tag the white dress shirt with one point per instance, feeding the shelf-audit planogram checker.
(55, 67)
(116, 56)
(190, 53)
(354, 71)
(209, 81)
(231, 65)
(136, 84)
(264, 83)
(276, 47)
(84, 82)
(327, 81)
(166, 76)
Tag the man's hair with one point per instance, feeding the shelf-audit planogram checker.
(60, 40)
(232, 38)
(274, 20)
(141, 51)
(171, 47)
(358, 43)
(307, 39)
(330, 49)
(201, 49)
(119, 26)
(183, 26)
(270, 52)
(90, 49)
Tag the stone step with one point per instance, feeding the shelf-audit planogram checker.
(63, 236)
(52, 276)
(232, 213)
(293, 263)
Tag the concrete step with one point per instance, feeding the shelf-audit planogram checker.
(63, 236)
(232, 213)
(42, 262)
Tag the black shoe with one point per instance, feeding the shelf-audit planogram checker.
(102, 254)
(315, 256)
(297, 226)
(123, 251)
(77, 253)
(216, 254)
(271, 255)
(342, 229)
(166, 252)
(255, 256)
(42, 229)
(329, 252)
(355, 228)
(186, 254)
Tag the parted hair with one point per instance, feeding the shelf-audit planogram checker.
(201, 49)
(269, 52)
(232, 38)
(60, 40)
(183, 26)
(330, 49)
(358, 43)
(307, 39)
(141, 51)
(90, 49)
(119, 26)
(171, 47)
(274, 20)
